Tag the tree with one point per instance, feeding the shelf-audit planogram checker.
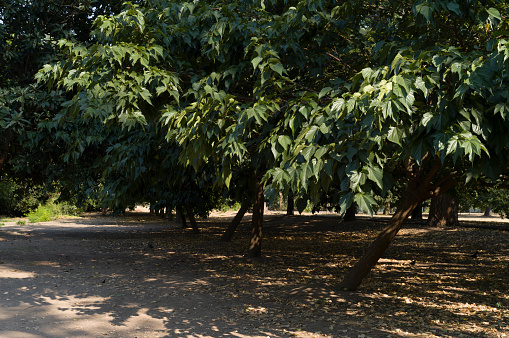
(29, 31)
(443, 211)
(316, 97)
(350, 213)
(417, 213)
(429, 111)
(225, 64)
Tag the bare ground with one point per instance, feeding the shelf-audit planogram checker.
(139, 276)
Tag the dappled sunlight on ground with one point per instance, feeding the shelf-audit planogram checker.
(138, 276)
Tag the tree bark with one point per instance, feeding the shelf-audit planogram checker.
(291, 204)
(487, 212)
(387, 208)
(169, 213)
(160, 212)
(255, 245)
(350, 213)
(443, 211)
(419, 188)
(181, 218)
(354, 278)
(417, 213)
(228, 234)
(192, 220)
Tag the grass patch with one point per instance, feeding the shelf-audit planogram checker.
(51, 211)
(21, 222)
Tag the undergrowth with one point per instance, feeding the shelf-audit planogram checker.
(51, 211)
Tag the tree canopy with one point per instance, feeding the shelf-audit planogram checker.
(347, 98)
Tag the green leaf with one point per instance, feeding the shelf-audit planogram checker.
(376, 175)
(401, 82)
(345, 201)
(365, 202)
(494, 13)
(308, 152)
(426, 118)
(284, 141)
(418, 151)
(421, 85)
(256, 61)
(278, 68)
(426, 11)
(145, 94)
(324, 92)
(394, 135)
(454, 7)
(357, 179)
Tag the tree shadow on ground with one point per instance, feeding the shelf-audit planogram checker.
(158, 280)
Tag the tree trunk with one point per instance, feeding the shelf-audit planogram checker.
(3, 159)
(192, 220)
(387, 208)
(160, 212)
(350, 213)
(181, 218)
(169, 213)
(487, 212)
(228, 234)
(5, 149)
(354, 278)
(419, 188)
(443, 211)
(417, 213)
(255, 245)
(291, 204)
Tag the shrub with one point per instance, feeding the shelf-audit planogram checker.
(51, 211)
(18, 198)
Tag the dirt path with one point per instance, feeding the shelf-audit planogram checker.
(138, 276)
(104, 277)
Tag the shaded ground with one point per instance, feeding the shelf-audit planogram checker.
(138, 276)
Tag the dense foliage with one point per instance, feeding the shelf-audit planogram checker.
(349, 98)
(29, 32)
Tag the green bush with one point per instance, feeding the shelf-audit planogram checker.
(21, 222)
(17, 199)
(51, 211)
(229, 205)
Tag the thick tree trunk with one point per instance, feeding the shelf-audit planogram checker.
(192, 220)
(350, 213)
(291, 205)
(228, 234)
(255, 245)
(417, 213)
(354, 278)
(487, 212)
(181, 218)
(443, 211)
